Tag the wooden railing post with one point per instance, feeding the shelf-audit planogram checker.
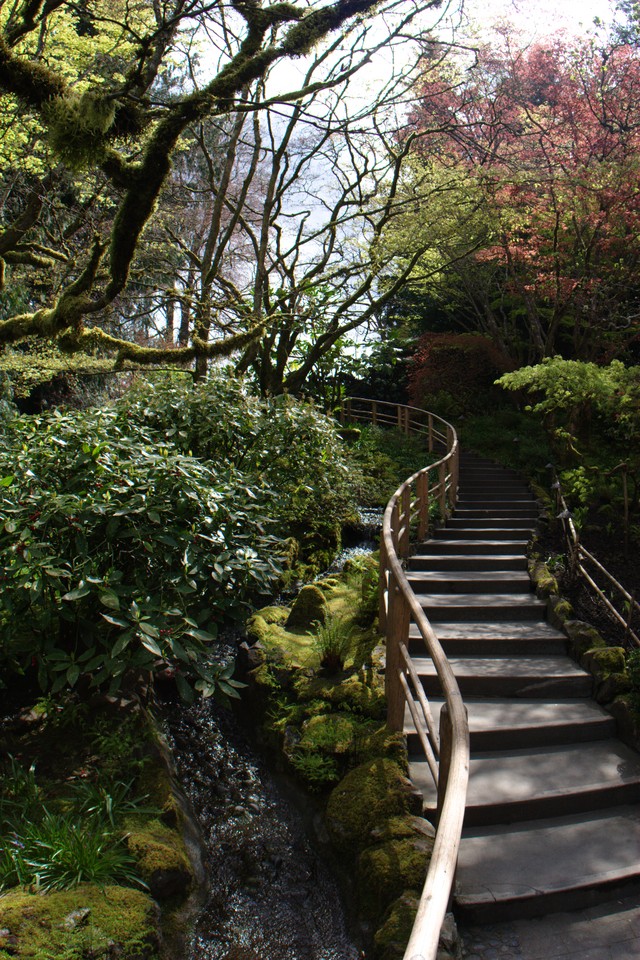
(397, 632)
(442, 489)
(455, 475)
(404, 541)
(374, 412)
(383, 585)
(422, 487)
(430, 428)
(446, 745)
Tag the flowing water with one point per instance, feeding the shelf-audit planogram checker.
(270, 893)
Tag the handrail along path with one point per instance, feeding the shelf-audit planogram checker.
(446, 749)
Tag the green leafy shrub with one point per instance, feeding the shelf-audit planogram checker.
(383, 460)
(291, 450)
(119, 555)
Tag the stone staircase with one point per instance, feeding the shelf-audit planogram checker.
(552, 821)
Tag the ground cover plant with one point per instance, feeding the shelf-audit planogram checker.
(79, 782)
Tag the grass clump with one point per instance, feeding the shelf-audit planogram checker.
(68, 839)
(332, 642)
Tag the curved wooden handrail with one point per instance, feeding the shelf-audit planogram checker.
(588, 567)
(447, 754)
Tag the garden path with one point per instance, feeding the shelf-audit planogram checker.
(552, 822)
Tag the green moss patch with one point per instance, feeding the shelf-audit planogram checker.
(77, 924)
(373, 792)
(367, 699)
(559, 611)
(161, 857)
(392, 937)
(388, 869)
(582, 637)
(546, 583)
(310, 606)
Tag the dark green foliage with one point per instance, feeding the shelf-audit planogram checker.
(509, 437)
(383, 459)
(120, 555)
(590, 415)
(453, 373)
(633, 672)
(286, 446)
(56, 849)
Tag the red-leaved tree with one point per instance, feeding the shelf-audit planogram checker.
(551, 136)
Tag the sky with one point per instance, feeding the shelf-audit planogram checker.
(542, 17)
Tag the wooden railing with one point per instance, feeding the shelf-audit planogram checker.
(622, 606)
(408, 516)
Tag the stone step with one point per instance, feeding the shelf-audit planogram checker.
(480, 480)
(457, 546)
(487, 495)
(485, 607)
(498, 513)
(468, 581)
(484, 533)
(503, 561)
(490, 522)
(507, 786)
(480, 470)
(503, 724)
(473, 503)
(506, 639)
(554, 677)
(537, 867)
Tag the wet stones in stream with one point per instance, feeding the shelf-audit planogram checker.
(270, 895)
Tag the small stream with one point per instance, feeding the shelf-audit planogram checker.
(270, 894)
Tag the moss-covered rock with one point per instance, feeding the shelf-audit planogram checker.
(82, 923)
(388, 869)
(546, 583)
(161, 857)
(367, 699)
(559, 611)
(607, 666)
(256, 629)
(309, 606)
(390, 940)
(582, 637)
(402, 828)
(603, 661)
(612, 686)
(336, 733)
(626, 710)
(275, 614)
(373, 792)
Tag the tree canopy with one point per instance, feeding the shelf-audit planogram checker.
(547, 138)
(106, 105)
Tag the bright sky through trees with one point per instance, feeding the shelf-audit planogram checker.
(541, 17)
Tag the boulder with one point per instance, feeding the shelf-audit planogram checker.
(309, 607)
(372, 793)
